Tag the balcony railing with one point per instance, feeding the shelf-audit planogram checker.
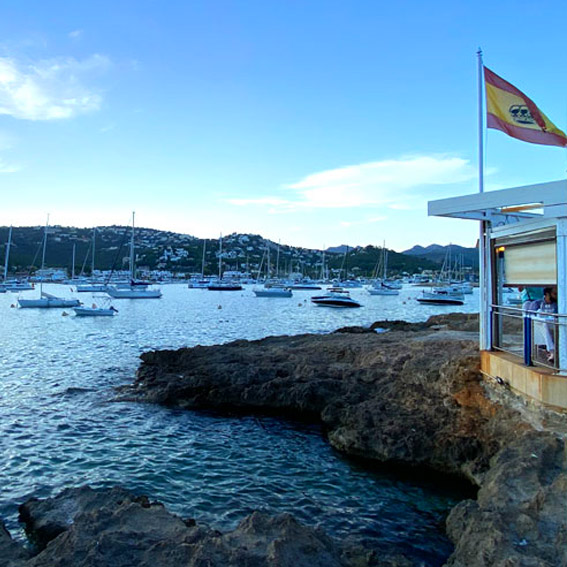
(540, 339)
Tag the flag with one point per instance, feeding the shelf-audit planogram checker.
(510, 110)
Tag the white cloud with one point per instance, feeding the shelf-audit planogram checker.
(398, 184)
(75, 34)
(49, 89)
(382, 182)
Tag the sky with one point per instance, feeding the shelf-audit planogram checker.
(310, 122)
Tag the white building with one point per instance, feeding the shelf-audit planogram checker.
(523, 243)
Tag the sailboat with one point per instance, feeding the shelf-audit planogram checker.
(133, 290)
(271, 288)
(45, 299)
(380, 286)
(12, 285)
(93, 286)
(200, 283)
(220, 284)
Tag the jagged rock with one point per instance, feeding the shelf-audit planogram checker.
(112, 528)
(519, 517)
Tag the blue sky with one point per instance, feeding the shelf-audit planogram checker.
(311, 122)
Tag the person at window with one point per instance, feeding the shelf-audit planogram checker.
(531, 297)
(547, 309)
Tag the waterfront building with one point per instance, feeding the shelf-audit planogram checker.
(522, 243)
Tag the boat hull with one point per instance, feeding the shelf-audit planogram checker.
(133, 293)
(93, 312)
(273, 292)
(46, 303)
(440, 301)
(337, 302)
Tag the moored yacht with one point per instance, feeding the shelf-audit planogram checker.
(335, 297)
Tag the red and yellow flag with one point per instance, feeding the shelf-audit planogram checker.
(510, 110)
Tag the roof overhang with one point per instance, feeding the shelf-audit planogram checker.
(506, 205)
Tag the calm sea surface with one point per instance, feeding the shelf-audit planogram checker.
(58, 427)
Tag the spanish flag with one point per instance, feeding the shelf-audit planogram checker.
(510, 110)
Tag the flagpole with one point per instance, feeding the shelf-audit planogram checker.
(480, 123)
(484, 239)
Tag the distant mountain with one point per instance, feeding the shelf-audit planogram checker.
(437, 254)
(183, 253)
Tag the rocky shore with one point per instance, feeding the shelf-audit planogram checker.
(412, 395)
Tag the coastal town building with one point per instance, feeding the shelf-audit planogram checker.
(522, 244)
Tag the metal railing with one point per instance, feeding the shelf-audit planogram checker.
(540, 339)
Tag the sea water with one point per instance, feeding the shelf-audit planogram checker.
(60, 428)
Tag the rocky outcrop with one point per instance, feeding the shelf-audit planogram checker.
(411, 397)
(83, 527)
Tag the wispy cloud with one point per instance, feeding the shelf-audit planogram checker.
(49, 89)
(75, 34)
(400, 183)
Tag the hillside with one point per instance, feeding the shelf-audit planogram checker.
(175, 252)
(437, 254)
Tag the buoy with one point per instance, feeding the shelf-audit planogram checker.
(12, 306)
(219, 306)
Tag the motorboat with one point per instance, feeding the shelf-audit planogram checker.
(199, 284)
(441, 296)
(335, 297)
(273, 291)
(94, 311)
(221, 285)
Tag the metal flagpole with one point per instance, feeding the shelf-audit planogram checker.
(484, 240)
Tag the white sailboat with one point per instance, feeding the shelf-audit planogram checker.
(381, 286)
(133, 290)
(200, 283)
(270, 288)
(46, 300)
(92, 286)
(220, 284)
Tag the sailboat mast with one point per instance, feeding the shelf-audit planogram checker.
(132, 249)
(278, 261)
(73, 262)
(220, 257)
(43, 256)
(203, 260)
(93, 258)
(6, 259)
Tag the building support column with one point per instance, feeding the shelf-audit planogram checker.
(561, 244)
(485, 282)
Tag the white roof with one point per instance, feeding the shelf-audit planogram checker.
(514, 204)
